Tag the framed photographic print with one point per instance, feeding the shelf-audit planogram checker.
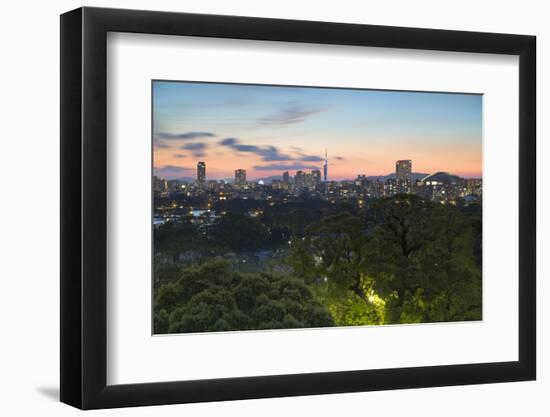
(258, 207)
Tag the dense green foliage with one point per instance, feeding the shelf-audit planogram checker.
(397, 260)
(240, 232)
(174, 237)
(421, 257)
(411, 256)
(213, 297)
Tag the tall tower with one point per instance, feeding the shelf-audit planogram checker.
(300, 180)
(286, 178)
(403, 170)
(325, 167)
(201, 174)
(240, 177)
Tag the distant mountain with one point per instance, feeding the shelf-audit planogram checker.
(414, 176)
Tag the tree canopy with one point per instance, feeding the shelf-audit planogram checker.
(213, 297)
(401, 259)
(240, 232)
(408, 260)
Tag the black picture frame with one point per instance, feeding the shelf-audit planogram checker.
(84, 207)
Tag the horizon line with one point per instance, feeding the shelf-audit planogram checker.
(475, 176)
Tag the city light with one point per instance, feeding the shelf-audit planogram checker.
(439, 187)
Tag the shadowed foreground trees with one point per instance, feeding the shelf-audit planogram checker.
(405, 260)
(399, 260)
(213, 297)
(422, 260)
(240, 232)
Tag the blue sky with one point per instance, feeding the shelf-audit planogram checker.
(273, 128)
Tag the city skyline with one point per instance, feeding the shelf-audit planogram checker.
(439, 186)
(403, 171)
(267, 130)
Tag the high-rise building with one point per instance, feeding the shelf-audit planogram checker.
(376, 188)
(213, 185)
(240, 177)
(160, 184)
(201, 174)
(403, 170)
(286, 178)
(473, 186)
(325, 167)
(316, 176)
(300, 180)
(361, 181)
(285, 183)
(308, 181)
(276, 184)
(390, 187)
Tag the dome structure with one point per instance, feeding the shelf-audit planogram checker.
(441, 178)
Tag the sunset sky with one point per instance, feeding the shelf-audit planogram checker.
(269, 129)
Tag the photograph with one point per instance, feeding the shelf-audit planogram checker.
(285, 207)
(283, 204)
